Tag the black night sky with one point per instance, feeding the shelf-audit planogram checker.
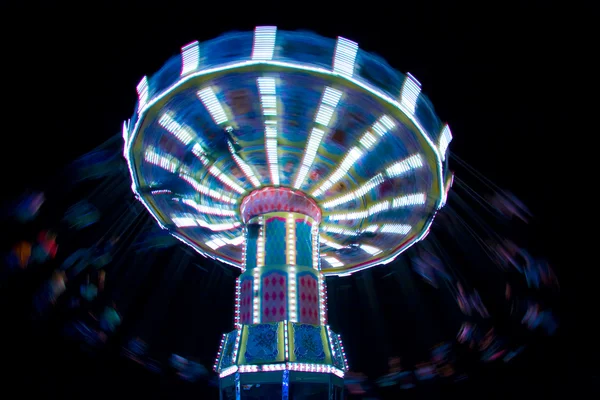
(494, 73)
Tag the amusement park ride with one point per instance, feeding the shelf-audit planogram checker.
(292, 157)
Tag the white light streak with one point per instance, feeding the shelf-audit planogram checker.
(264, 42)
(210, 101)
(344, 57)
(190, 58)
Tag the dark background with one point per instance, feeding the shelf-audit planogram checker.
(502, 76)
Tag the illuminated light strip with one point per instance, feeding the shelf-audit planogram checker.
(413, 162)
(263, 46)
(286, 341)
(444, 141)
(381, 127)
(186, 221)
(183, 133)
(216, 172)
(246, 169)
(218, 242)
(343, 352)
(160, 191)
(142, 91)
(372, 250)
(271, 149)
(397, 202)
(409, 200)
(268, 99)
(260, 243)
(190, 58)
(238, 299)
(244, 249)
(378, 93)
(218, 227)
(314, 141)
(315, 246)
(400, 229)
(168, 163)
(353, 155)
(361, 191)
(201, 208)
(338, 230)
(330, 243)
(228, 371)
(331, 344)
(372, 228)
(236, 346)
(125, 132)
(209, 99)
(334, 262)
(292, 294)
(322, 316)
(411, 88)
(329, 101)
(449, 183)
(207, 191)
(216, 364)
(289, 366)
(344, 56)
(290, 248)
(223, 177)
(256, 299)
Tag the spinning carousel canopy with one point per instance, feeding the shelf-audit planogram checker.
(338, 127)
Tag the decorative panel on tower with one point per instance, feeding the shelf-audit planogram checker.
(308, 298)
(275, 241)
(229, 349)
(246, 299)
(274, 296)
(308, 344)
(262, 344)
(304, 255)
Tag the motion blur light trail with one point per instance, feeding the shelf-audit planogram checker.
(299, 169)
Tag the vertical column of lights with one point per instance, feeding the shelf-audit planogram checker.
(142, 91)
(411, 88)
(322, 300)
(286, 340)
(330, 336)
(291, 260)
(344, 56)
(260, 262)
(343, 352)
(244, 245)
(236, 347)
(329, 102)
(268, 101)
(263, 46)
(381, 127)
(216, 365)
(238, 295)
(315, 247)
(190, 58)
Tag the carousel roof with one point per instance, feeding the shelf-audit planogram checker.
(319, 116)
